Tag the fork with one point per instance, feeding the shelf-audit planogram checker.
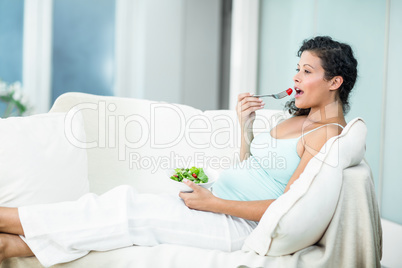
(277, 96)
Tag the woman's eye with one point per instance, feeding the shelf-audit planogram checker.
(297, 70)
(307, 71)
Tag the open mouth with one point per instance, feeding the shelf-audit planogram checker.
(298, 92)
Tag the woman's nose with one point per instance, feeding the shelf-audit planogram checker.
(296, 78)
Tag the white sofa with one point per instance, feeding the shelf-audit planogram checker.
(132, 141)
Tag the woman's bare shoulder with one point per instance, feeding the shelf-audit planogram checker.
(315, 140)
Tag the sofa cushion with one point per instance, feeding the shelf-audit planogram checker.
(133, 141)
(299, 218)
(39, 162)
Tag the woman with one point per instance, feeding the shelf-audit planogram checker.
(62, 232)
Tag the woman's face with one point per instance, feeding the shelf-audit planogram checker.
(312, 90)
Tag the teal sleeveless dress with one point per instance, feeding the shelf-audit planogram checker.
(265, 174)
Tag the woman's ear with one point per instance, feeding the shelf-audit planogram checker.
(336, 82)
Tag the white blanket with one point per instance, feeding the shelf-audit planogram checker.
(353, 239)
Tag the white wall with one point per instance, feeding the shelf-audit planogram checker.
(37, 51)
(201, 62)
(174, 51)
(392, 161)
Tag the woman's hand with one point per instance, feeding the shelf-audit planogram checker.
(199, 199)
(246, 107)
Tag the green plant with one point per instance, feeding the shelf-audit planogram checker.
(16, 103)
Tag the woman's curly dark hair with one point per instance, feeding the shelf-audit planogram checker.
(337, 59)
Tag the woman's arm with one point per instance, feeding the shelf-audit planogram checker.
(246, 107)
(202, 199)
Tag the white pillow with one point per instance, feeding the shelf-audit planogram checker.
(299, 218)
(38, 163)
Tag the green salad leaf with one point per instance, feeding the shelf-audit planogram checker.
(197, 175)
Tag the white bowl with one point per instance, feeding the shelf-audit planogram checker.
(182, 187)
